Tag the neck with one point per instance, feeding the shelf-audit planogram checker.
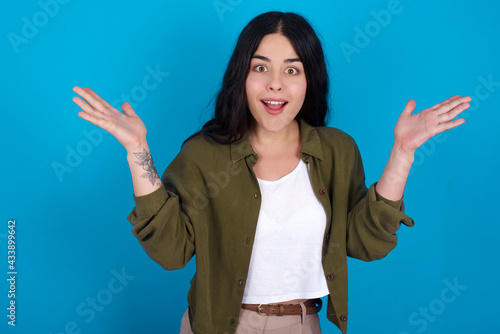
(261, 137)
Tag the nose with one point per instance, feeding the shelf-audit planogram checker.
(275, 83)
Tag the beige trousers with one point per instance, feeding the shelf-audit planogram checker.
(251, 322)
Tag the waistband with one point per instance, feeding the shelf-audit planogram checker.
(312, 306)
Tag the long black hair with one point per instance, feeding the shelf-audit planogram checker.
(232, 116)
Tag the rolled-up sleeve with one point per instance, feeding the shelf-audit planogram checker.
(372, 219)
(160, 220)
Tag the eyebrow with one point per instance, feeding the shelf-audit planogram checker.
(286, 61)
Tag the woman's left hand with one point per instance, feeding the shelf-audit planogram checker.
(412, 131)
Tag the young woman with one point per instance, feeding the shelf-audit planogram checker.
(269, 199)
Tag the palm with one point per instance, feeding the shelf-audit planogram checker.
(126, 127)
(412, 131)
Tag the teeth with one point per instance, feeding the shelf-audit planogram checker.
(274, 102)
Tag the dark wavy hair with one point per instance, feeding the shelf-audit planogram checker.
(232, 116)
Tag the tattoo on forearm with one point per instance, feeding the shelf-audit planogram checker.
(146, 161)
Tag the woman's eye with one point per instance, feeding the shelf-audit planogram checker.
(292, 71)
(260, 68)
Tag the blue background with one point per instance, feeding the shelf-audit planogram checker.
(70, 195)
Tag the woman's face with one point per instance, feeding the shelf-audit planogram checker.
(276, 84)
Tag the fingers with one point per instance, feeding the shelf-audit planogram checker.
(452, 104)
(450, 125)
(85, 107)
(98, 98)
(445, 101)
(450, 109)
(410, 106)
(127, 109)
(451, 114)
(93, 119)
(91, 100)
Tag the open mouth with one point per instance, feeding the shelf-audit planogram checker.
(274, 107)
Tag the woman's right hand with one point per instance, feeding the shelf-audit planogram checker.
(127, 128)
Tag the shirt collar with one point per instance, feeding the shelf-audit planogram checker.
(311, 144)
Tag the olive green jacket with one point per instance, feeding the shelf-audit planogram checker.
(209, 204)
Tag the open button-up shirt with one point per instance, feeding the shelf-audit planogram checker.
(209, 204)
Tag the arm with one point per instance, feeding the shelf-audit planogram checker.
(162, 219)
(410, 133)
(129, 130)
(375, 214)
(160, 224)
(372, 220)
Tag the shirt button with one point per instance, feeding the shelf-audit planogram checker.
(343, 318)
(232, 321)
(240, 282)
(255, 195)
(330, 277)
(322, 191)
(248, 240)
(305, 155)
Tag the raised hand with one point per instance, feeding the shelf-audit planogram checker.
(129, 130)
(412, 131)
(126, 127)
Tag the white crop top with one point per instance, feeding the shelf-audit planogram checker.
(286, 256)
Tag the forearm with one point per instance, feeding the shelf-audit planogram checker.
(392, 183)
(145, 178)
